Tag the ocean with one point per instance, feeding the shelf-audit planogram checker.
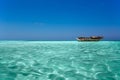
(59, 60)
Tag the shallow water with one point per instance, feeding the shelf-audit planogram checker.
(59, 60)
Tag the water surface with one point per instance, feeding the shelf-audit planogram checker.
(59, 60)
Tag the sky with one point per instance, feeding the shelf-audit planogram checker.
(59, 19)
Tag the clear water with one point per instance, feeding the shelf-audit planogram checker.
(59, 60)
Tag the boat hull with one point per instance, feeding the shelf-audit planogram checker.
(87, 40)
(91, 40)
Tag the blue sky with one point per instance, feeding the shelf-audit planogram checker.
(59, 19)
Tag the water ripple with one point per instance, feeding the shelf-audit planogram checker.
(59, 60)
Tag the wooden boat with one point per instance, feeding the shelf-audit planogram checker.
(92, 38)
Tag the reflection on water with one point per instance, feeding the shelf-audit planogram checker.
(59, 60)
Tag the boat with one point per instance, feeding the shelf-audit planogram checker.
(91, 38)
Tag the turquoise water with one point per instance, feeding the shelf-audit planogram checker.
(59, 60)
